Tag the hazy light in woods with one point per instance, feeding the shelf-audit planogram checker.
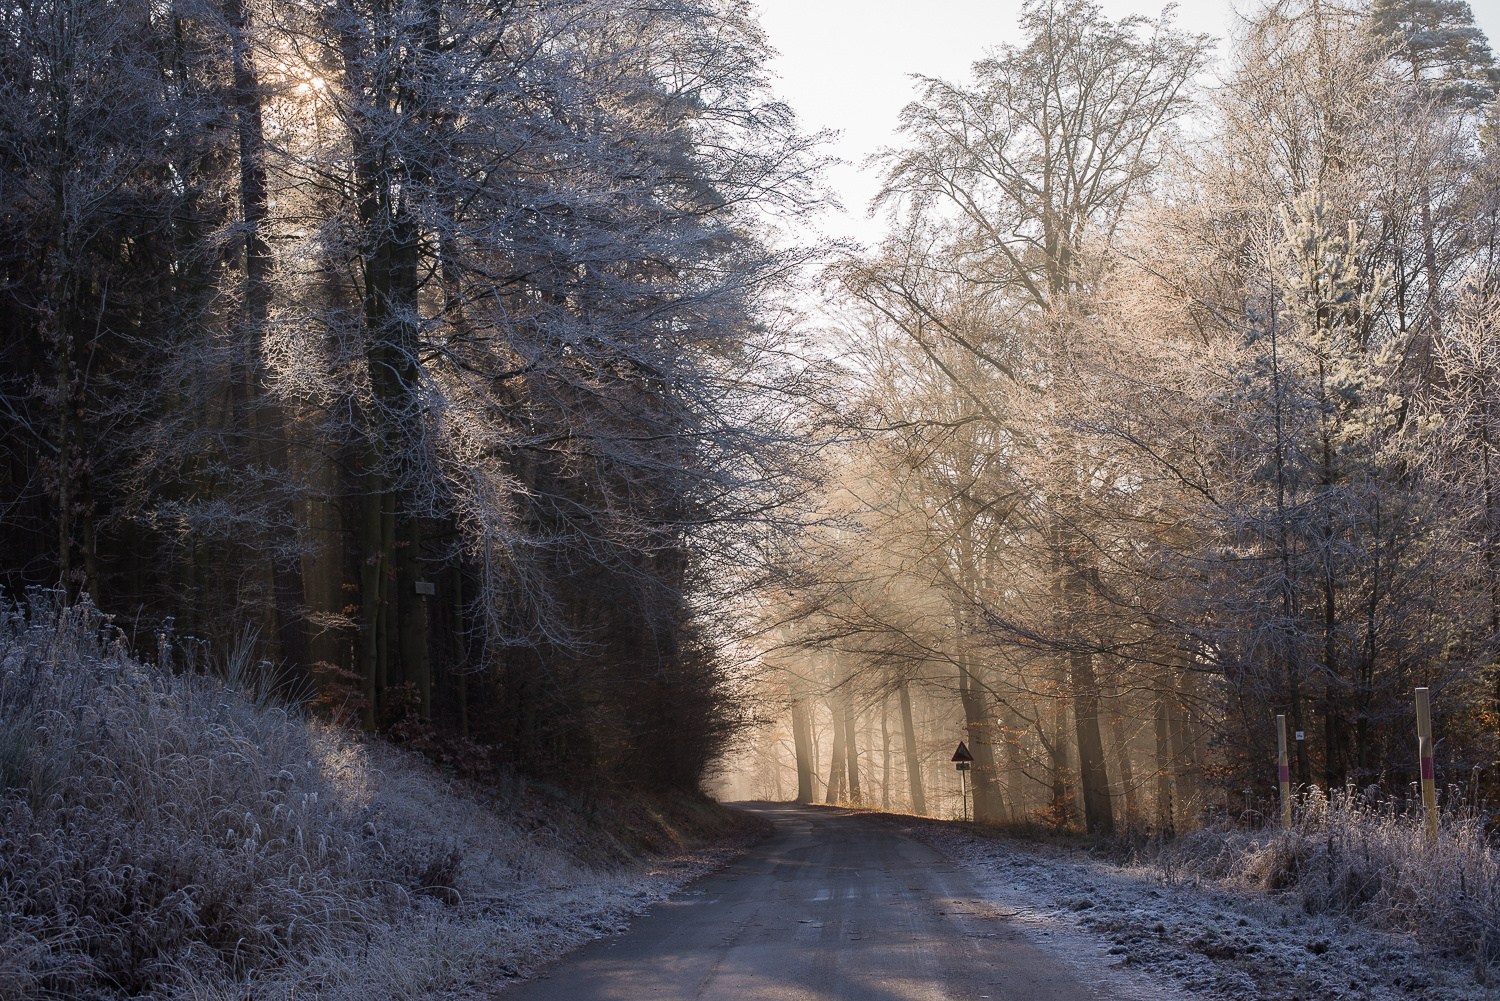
(847, 65)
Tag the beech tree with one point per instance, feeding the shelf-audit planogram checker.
(1037, 162)
(1180, 436)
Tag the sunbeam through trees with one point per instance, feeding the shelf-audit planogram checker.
(474, 384)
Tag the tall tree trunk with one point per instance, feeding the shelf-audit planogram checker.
(403, 410)
(1061, 607)
(1098, 811)
(65, 404)
(385, 677)
(1491, 542)
(1365, 665)
(187, 622)
(260, 417)
(1014, 768)
(90, 550)
(371, 570)
(1121, 741)
(1304, 763)
(979, 724)
(885, 753)
(330, 562)
(776, 770)
(1290, 609)
(802, 740)
(1334, 736)
(1061, 806)
(1188, 747)
(817, 748)
(836, 766)
(913, 756)
(415, 662)
(988, 803)
(1165, 759)
(390, 255)
(1333, 723)
(60, 319)
(460, 652)
(851, 747)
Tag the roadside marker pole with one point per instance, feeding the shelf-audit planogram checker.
(1424, 756)
(961, 760)
(1283, 774)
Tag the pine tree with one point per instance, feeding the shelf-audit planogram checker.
(1437, 44)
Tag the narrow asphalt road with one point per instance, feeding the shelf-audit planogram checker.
(828, 907)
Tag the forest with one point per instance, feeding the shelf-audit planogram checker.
(474, 370)
(424, 353)
(1167, 406)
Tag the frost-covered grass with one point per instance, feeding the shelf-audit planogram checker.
(181, 837)
(1348, 855)
(1352, 902)
(1351, 856)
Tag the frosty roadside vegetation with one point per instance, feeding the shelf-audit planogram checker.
(181, 836)
(1350, 903)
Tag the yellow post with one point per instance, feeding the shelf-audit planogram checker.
(1283, 774)
(1424, 757)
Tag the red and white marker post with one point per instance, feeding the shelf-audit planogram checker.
(1283, 774)
(1424, 756)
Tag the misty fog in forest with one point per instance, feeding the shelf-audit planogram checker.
(487, 379)
(1163, 409)
(475, 369)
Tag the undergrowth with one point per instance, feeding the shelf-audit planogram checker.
(182, 835)
(1347, 854)
(1351, 855)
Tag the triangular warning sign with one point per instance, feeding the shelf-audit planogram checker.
(962, 754)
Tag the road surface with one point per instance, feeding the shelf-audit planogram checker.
(830, 907)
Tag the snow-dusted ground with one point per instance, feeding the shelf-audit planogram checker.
(538, 927)
(477, 948)
(1133, 932)
(1137, 933)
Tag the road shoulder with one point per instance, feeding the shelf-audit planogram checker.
(1137, 933)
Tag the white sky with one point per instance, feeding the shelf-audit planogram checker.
(845, 65)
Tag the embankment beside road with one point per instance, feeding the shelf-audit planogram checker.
(182, 837)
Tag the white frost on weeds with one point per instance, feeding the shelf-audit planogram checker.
(1137, 934)
(173, 836)
(476, 948)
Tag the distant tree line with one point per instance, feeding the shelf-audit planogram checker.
(426, 340)
(1175, 411)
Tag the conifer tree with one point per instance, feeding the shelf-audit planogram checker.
(1440, 48)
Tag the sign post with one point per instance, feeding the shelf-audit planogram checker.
(962, 758)
(1283, 774)
(1424, 757)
